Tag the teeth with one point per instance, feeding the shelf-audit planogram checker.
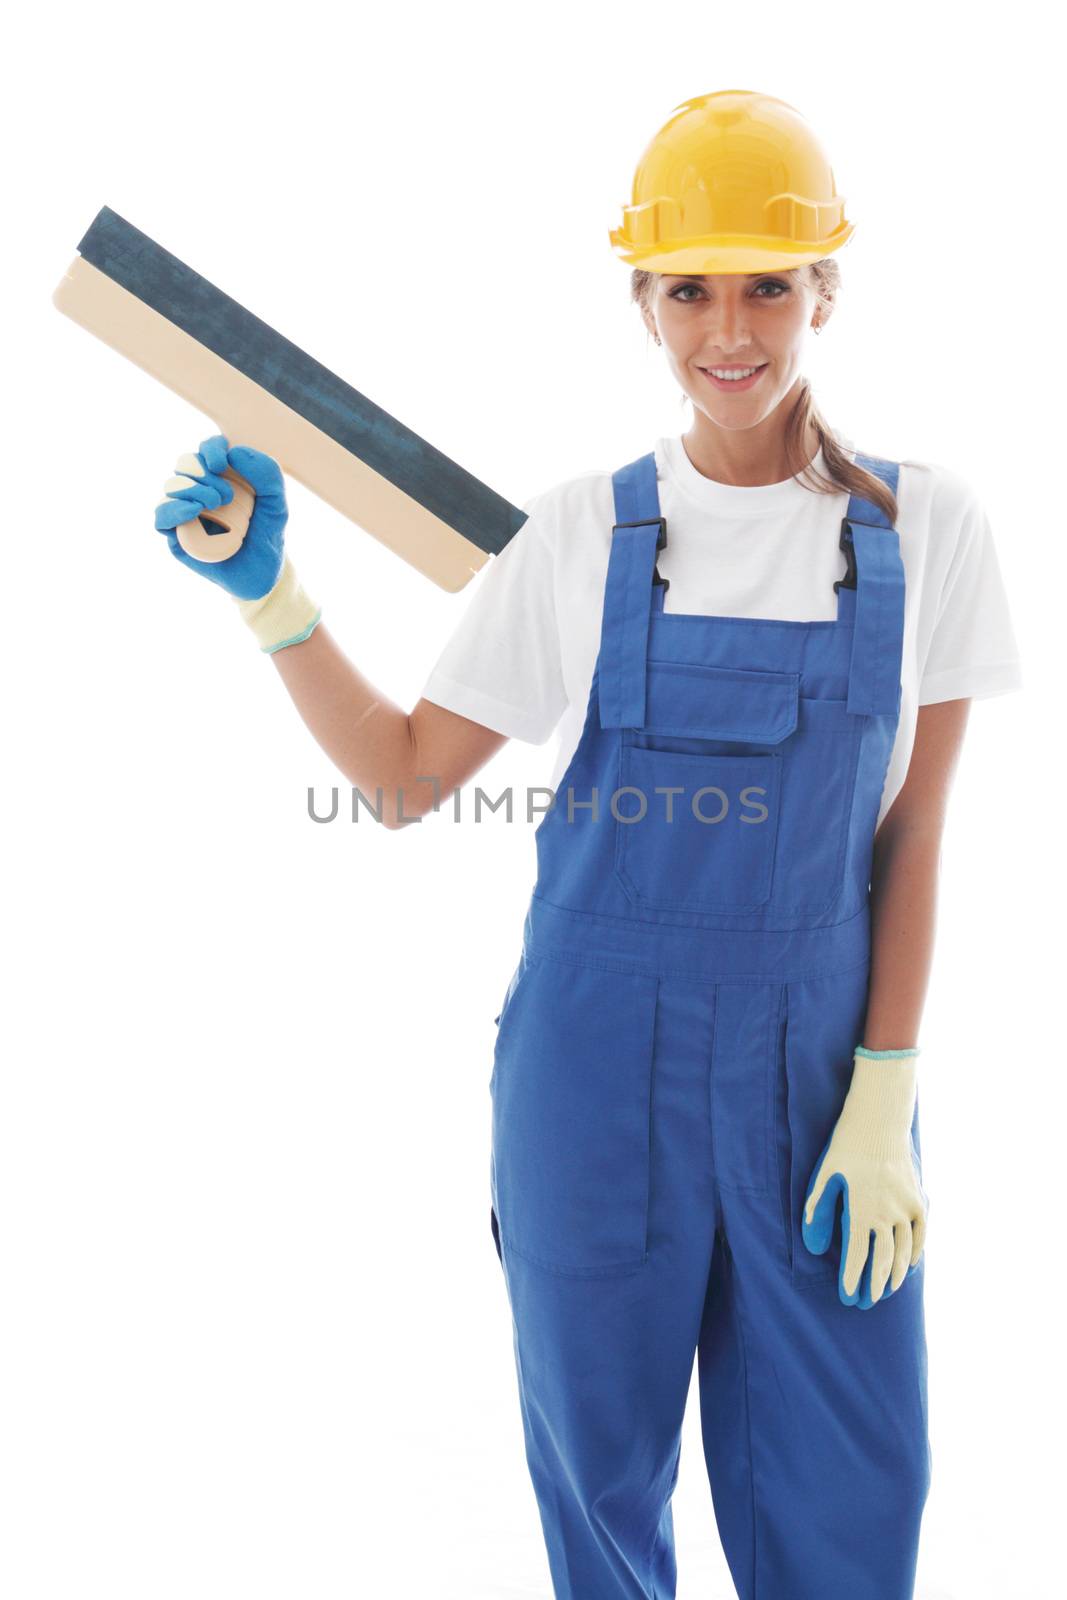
(719, 372)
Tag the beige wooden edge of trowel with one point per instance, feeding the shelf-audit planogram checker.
(244, 413)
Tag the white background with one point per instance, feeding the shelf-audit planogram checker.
(254, 1337)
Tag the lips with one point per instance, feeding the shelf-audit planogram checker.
(724, 384)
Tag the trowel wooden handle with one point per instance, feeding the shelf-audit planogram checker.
(233, 519)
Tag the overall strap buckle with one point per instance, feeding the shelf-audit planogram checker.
(846, 545)
(661, 542)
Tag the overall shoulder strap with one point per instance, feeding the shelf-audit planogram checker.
(878, 605)
(638, 533)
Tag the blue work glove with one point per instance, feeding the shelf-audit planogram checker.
(259, 575)
(870, 1161)
(253, 570)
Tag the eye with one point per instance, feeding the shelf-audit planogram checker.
(766, 283)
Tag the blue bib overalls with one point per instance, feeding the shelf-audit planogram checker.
(675, 1047)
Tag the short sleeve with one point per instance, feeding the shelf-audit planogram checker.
(502, 665)
(973, 651)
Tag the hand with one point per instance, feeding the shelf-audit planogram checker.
(253, 570)
(871, 1161)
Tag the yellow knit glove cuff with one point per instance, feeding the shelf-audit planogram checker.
(875, 1120)
(287, 615)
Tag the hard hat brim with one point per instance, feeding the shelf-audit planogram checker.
(727, 253)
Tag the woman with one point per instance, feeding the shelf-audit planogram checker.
(711, 1035)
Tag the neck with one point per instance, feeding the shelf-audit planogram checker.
(744, 457)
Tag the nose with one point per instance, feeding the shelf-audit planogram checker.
(731, 325)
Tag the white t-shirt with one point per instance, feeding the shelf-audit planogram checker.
(521, 659)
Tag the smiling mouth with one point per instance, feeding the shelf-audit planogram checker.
(751, 376)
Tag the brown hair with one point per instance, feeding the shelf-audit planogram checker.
(823, 278)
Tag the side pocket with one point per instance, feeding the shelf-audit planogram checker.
(572, 1119)
(502, 1020)
(526, 962)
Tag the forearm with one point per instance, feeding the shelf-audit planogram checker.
(366, 736)
(904, 884)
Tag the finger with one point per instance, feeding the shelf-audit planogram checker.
(213, 451)
(183, 506)
(172, 513)
(902, 1255)
(202, 490)
(261, 471)
(192, 467)
(199, 467)
(192, 489)
(820, 1207)
(821, 1175)
(819, 1232)
(918, 1237)
(881, 1260)
(855, 1245)
(864, 1299)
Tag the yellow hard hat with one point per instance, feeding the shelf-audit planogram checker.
(733, 182)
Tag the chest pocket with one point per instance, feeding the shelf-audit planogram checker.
(758, 783)
(697, 811)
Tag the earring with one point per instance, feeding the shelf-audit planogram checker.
(657, 338)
